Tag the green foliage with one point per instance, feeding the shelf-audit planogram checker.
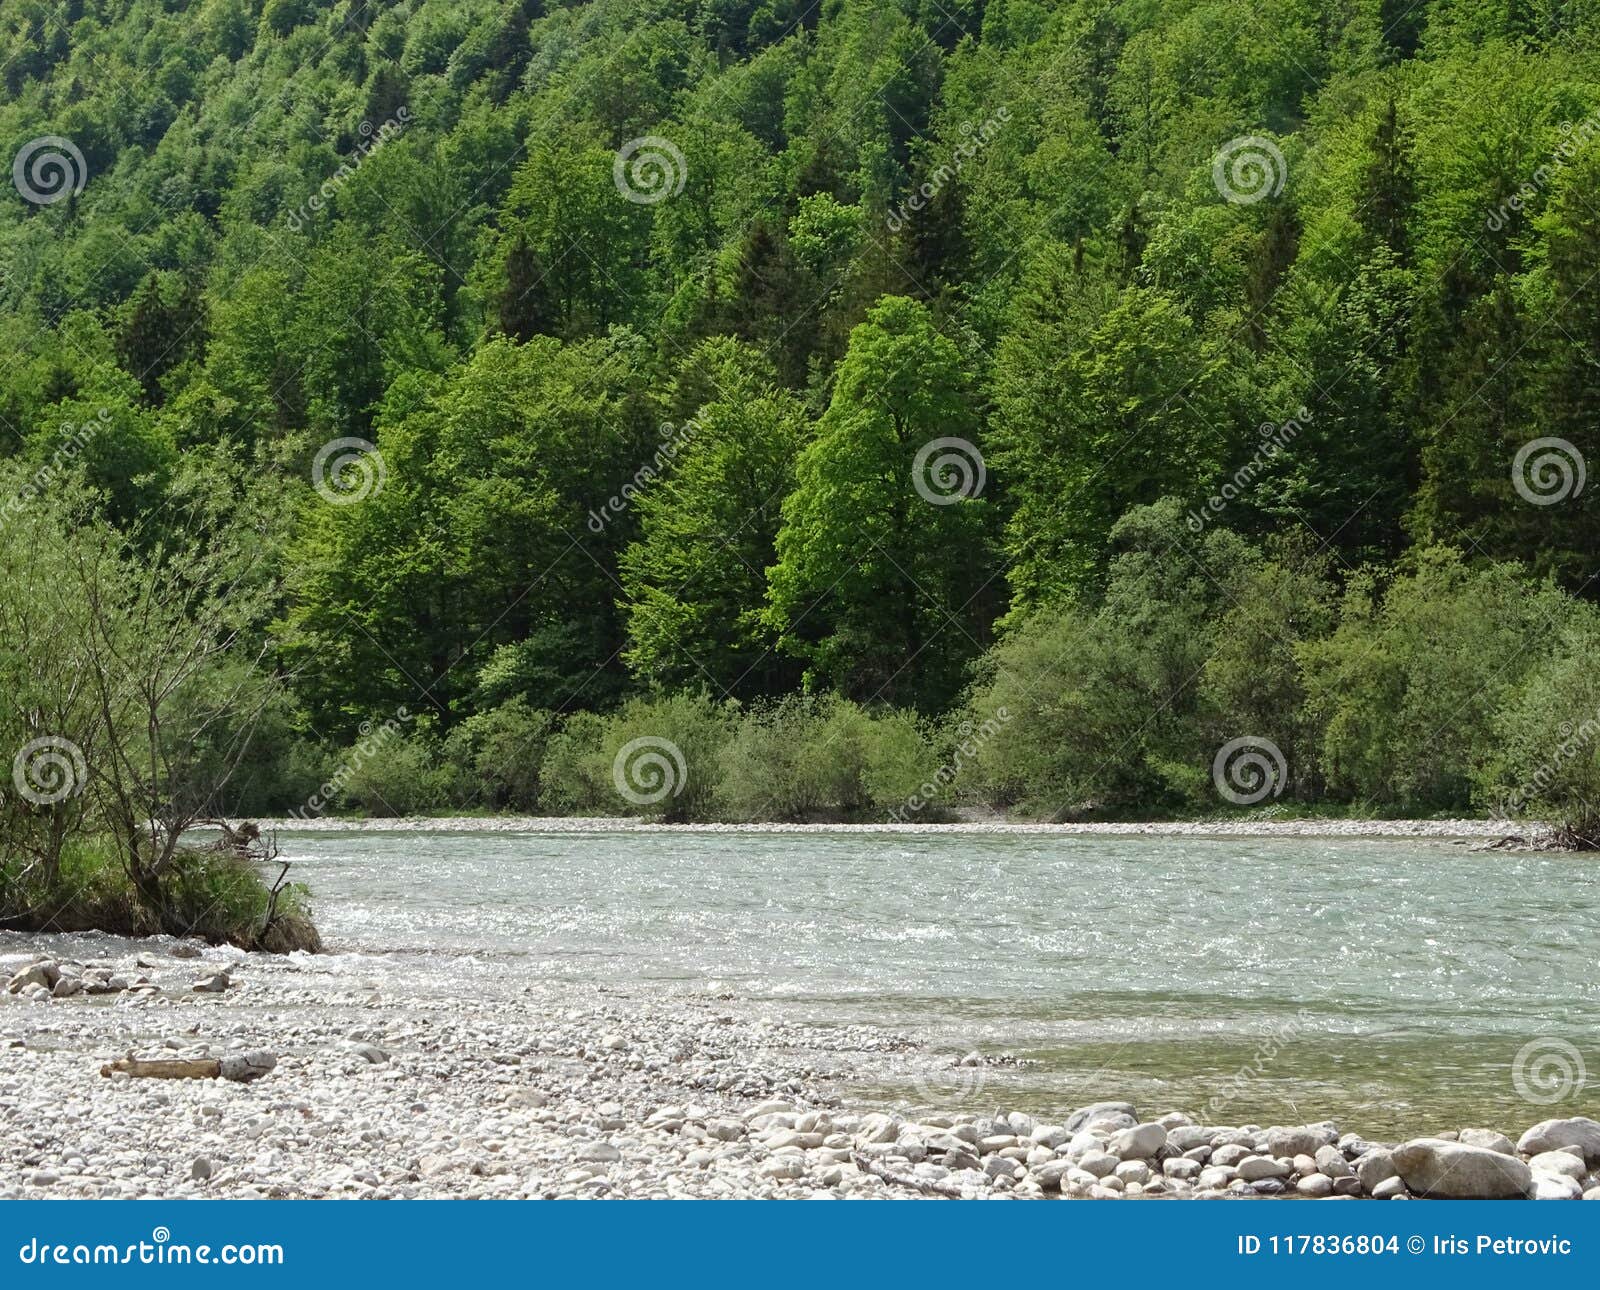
(495, 757)
(1545, 759)
(805, 758)
(650, 312)
(1408, 687)
(877, 556)
(655, 757)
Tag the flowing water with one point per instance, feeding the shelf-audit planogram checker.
(1396, 986)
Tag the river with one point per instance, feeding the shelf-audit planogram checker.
(1396, 985)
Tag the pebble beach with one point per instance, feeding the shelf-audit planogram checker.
(453, 1083)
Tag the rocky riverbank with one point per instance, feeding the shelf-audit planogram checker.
(1522, 833)
(454, 1083)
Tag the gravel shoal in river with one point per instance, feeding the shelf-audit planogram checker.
(456, 1082)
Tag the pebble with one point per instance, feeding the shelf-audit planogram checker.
(445, 1079)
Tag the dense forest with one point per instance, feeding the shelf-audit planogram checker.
(857, 407)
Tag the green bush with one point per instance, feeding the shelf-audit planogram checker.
(575, 775)
(390, 772)
(662, 756)
(1407, 689)
(805, 757)
(493, 758)
(1546, 753)
(767, 771)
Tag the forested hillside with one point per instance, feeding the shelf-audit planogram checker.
(875, 401)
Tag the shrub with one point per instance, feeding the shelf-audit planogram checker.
(389, 773)
(575, 774)
(766, 770)
(1408, 687)
(1546, 758)
(662, 756)
(809, 756)
(493, 758)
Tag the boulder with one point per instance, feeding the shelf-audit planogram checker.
(1331, 1161)
(41, 974)
(1456, 1171)
(1138, 1143)
(1389, 1189)
(216, 983)
(1566, 1163)
(1081, 1117)
(1099, 1163)
(1376, 1166)
(1301, 1141)
(1556, 1187)
(1489, 1140)
(1315, 1185)
(1553, 1135)
(1186, 1137)
(1257, 1168)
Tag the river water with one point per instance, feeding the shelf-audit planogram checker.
(1397, 986)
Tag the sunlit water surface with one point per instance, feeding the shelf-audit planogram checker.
(1391, 985)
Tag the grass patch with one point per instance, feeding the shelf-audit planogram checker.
(217, 896)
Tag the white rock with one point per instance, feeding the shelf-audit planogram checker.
(1138, 1143)
(1489, 1140)
(1455, 1171)
(1558, 1162)
(1553, 1135)
(1255, 1168)
(1556, 1187)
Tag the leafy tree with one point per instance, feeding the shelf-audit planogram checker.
(879, 553)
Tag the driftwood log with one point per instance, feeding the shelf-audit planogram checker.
(240, 1067)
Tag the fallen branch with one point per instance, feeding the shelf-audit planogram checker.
(927, 1187)
(240, 1067)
